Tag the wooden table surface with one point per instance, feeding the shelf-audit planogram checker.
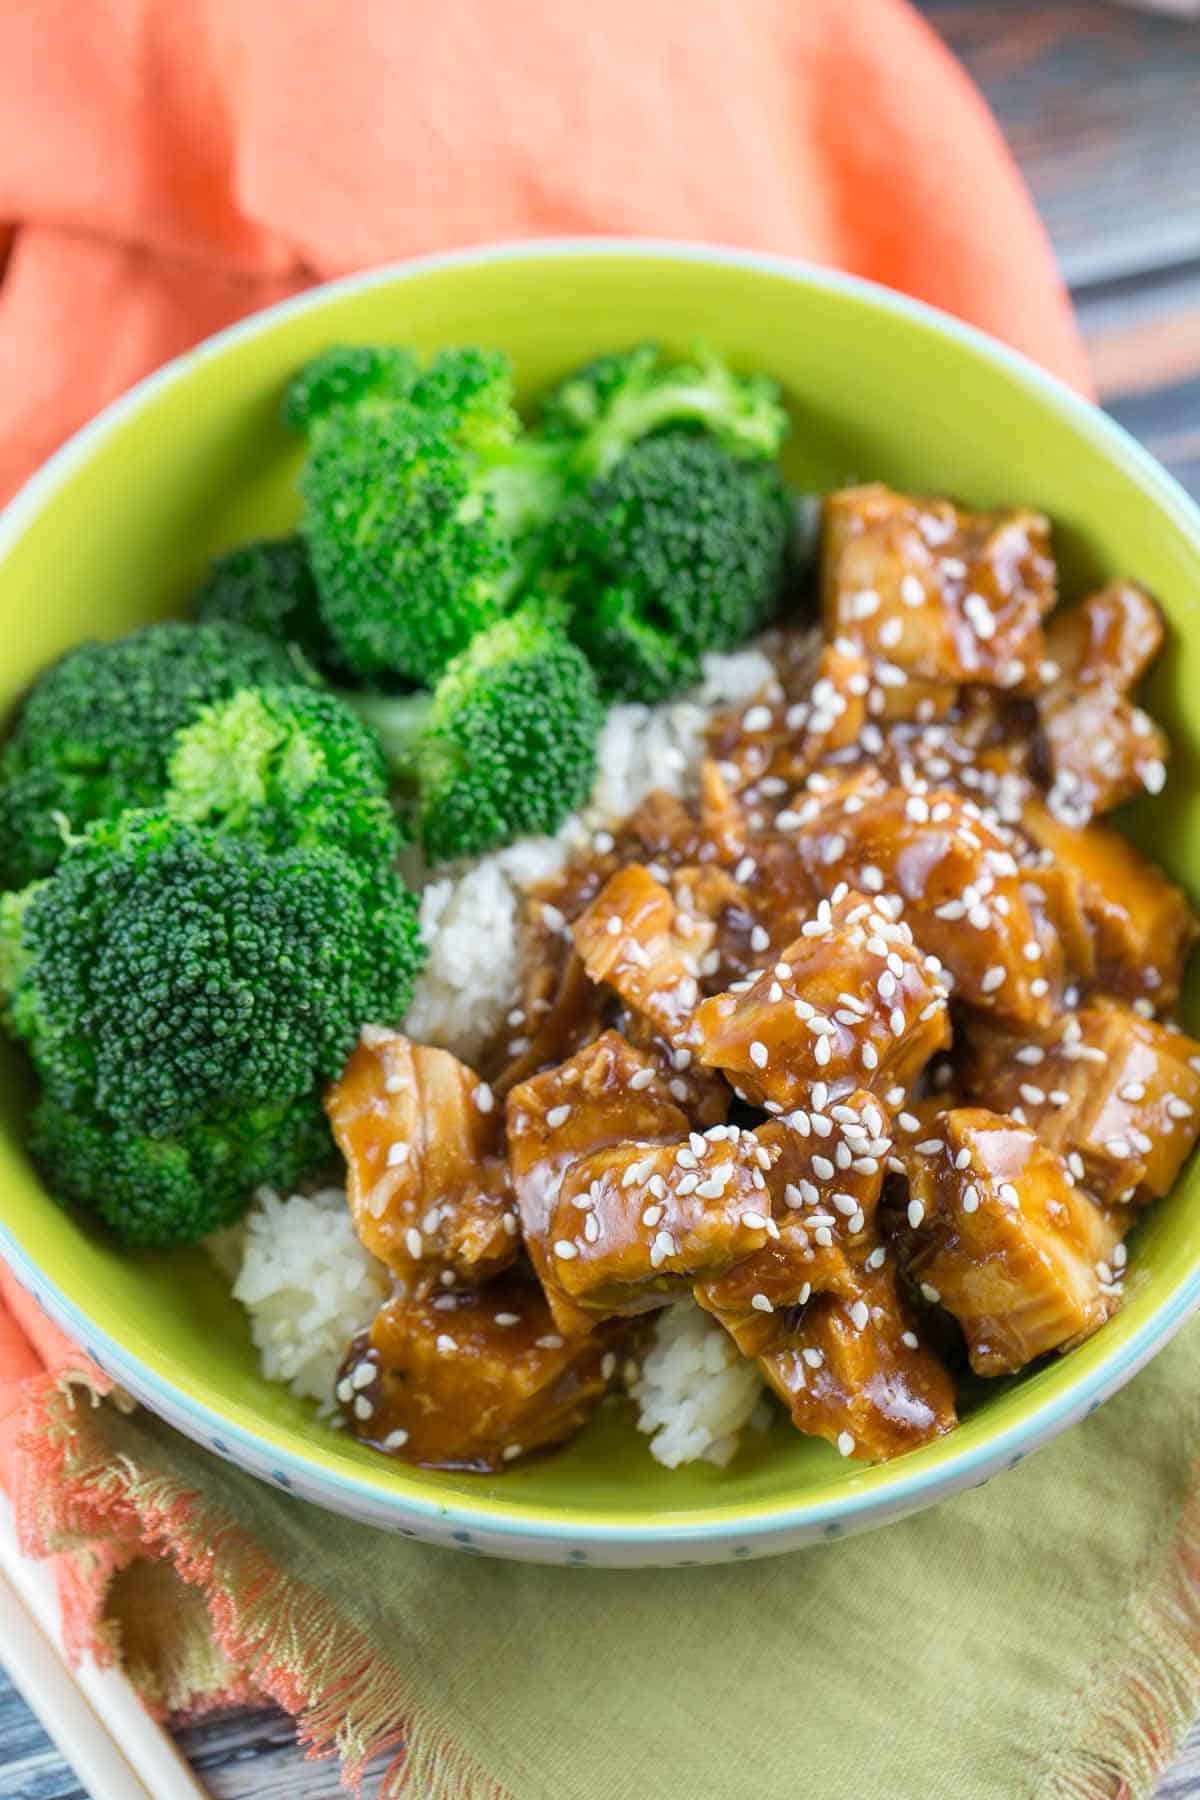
(1102, 108)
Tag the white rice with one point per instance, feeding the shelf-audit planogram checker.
(296, 1264)
(695, 1392)
(307, 1284)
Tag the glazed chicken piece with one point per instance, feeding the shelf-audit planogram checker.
(959, 882)
(997, 1232)
(824, 1190)
(427, 1181)
(474, 1380)
(855, 1372)
(621, 1208)
(1125, 928)
(635, 939)
(1098, 746)
(850, 1003)
(1117, 1095)
(560, 1008)
(936, 596)
(820, 1305)
(780, 740)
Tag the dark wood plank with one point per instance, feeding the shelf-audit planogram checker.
(1099, 104)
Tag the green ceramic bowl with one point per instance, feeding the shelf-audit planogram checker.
(117, 528)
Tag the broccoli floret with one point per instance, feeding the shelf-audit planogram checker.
(175, 1188)
(291, 768)
(506, 743)
(268, 585)
(347, 375)
(616, 400)
(425, 503)
(178, 972)
(413, 504)
(681, 549)
(97, 729)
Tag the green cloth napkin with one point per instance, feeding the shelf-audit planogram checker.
(1037, 1637)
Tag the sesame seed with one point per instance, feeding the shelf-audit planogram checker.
(992, 979)
(759, 1054)
(1118, 1147)
(813, 1357)
(757, 718)
(970, 1198)
(414, 1243)
(930, 1293)
(845, 1442)
(916, 1212)
(822, 1168)
(911, 591)
(641, 1078)
(485, 1100)
(363, 1408)
(395, 1440)
(759, 939)
(446, 1345)
(909, 1338)
(508, 1318)
(558, 1115)
(397, 1153)
(876, 1259)
(760, 1303)
(565, 1249)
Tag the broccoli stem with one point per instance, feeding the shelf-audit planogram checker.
(398, 721)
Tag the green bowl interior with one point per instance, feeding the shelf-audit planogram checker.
(198, 462)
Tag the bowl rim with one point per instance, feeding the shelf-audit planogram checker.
(491, 1515)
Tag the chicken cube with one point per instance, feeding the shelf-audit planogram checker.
(936, 596)
(1125, 928)
(782, 739)
(620, 1207)
(856, 1373)
(474, 1380)
(427, 1181)
(849, 1003)
(959, 883)
(998, 1233)
(634, 938)
(1116, 1094)
(1098, 746)
(825, 1189)
(560, 1008)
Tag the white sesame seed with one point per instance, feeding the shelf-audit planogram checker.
(363, 1408)
(822, 1168)
(641, 1078)
(911, 591)
(551, 1341)
(508, 1318)
(395, 1440)
(991, 979)
(558, 1115)
(485, 1100)
(930, 1293)
(759, 1055)
(916, 1212)
(909, 1338)
(397, 1153)
(845, 1442)
(446, 1345)
(813, 1357)
(876, 1259)
(414, 1243)
(760, 1303)
(565, 1249)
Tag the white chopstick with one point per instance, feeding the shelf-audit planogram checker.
(93, 1714)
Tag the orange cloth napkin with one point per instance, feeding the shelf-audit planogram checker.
(167, 166)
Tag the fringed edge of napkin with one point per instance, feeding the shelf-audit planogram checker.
(283, 1638)
(1139, 1705)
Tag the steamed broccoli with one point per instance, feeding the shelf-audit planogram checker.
(177, 1187)
(505, 744)
(182, 994)
(681, 549)
(292, 768)
(97, 729)
(412, 504)
(348, 375)
(268, 585)
(613, 402)
(425, 503)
